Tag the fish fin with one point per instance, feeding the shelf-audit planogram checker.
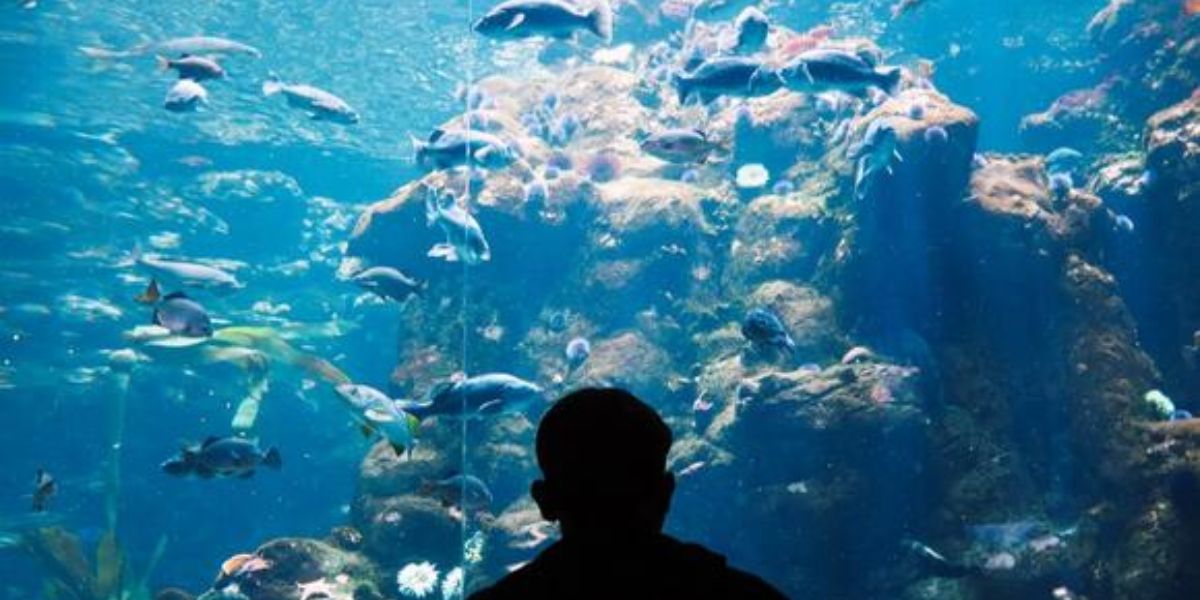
(436, 134)
(406, 405)
(482, 153)
(516, 22)
(444, 251)
(682, 87)
(419, 149)
(490, 406)
(889, 79)
(175, 295)
(414, 424)
(208, 441)
(399, 449)
(367, 431)
(272, 86)
(164, 63)
(272, 458)
(897, 155)
(378, 416)
(600, 20)
(151, 295)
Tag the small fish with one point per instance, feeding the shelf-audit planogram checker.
(185, 96)
(827, 69)
(752, 29)
(679, 146)
(465, 492)
(177, 313)
(874, 153)
(577, 352)
(196, 68)
(200, 44)
(464, 237)
(44, 488)
(903, 6)
(222, 457)
(320, 104)
(177, 273)
(558, 19)
(932, 562)
(379, 415)
(387, 282)
(764, 328)
(737, 76)
(447, 149)
(483, 395)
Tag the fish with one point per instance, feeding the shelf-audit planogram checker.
(186, 274)
(577, 352)
(451, 148)
(903, 6)
(200, 44)
(826, 69)
(874, 153)
(752, 29)
(379, 416)
(737, 76)
(177, 313)
(44, 488)
(387, 282)
(935, 564)
(185, 96)
(320, 104)
(222, 457)
(464, 237)
(680, 146)
(481, 396)
(558, 19)
(189, 66)
(464, 492)
(762, 327)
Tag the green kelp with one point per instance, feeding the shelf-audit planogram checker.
(70, 576)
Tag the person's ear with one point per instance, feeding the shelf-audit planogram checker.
(544, 499)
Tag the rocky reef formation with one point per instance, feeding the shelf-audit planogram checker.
(965, 371)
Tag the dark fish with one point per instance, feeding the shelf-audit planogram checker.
(484, 395)
(196, 68)
(446, 149)
(320, 104)
(518, 19)
(465, 492)
(737, 76)
(222, 457)
(387, 283)
(681, 146)
(831, 69)
(44, 487)
(177, 313)
(764, 328)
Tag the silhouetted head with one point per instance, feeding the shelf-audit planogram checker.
(603, 456)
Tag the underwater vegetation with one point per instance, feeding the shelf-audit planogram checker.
(914, 283)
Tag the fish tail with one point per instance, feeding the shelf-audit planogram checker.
(150, 296)
(164, 63)
(273, 85)
(419, 148)
(600, 20)
(682, 87)
(889, 79)
(104, 53)
(272, 458)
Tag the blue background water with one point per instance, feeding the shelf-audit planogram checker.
(72, 205)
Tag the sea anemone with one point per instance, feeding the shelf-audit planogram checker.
(603, 167)
(752, 176)
(560, 160)
(690, 176)
(936, 135)
(783, 188)
(1160, 403)
(452, 585)
(417, 580)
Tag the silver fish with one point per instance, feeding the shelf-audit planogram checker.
(186, 95)
(681, 146)
(464, 237)
(320, 104)
(387, 283)
(186, 274)
(200, 44)
(379, 415)
(518, 19)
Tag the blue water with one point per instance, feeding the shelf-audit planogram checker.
(94, 167)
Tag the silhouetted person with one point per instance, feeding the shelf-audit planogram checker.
(603, 456)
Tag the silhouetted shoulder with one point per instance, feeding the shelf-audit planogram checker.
(672, 570)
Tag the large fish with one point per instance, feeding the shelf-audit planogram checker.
(737, 76)
(874, 154)
(222, 457)
(379, 415)
(177, 313)
(464, 237)
(184, 274)
(827, 69)
(200, 44)
(481, 395)
(559, 19)
(387, 282)
(446, 149)
(185, 96)
(196, 68)
(320, 104)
